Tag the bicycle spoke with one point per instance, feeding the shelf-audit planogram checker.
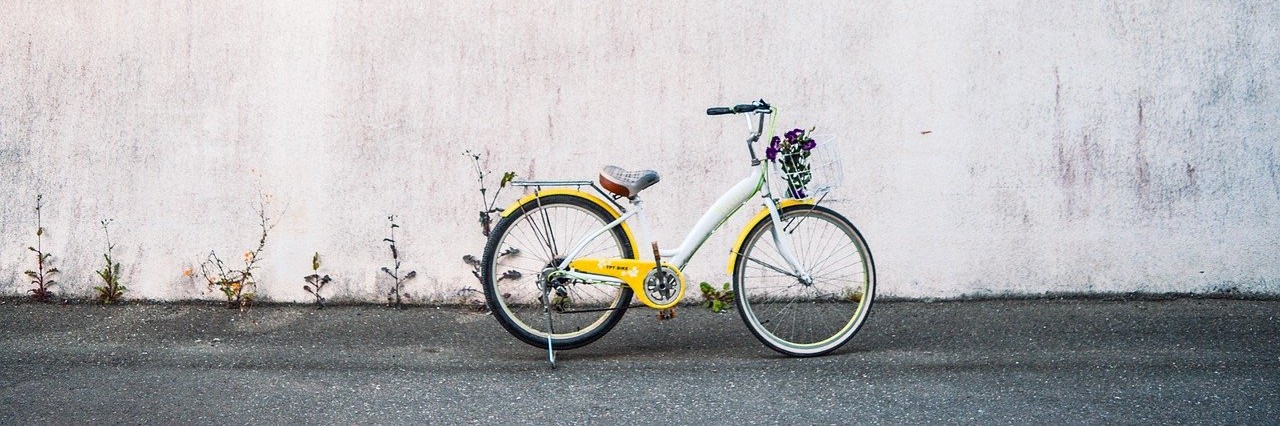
(579, 311)
(543, 242)
(775, 268)
(551, 236)
(811, 317)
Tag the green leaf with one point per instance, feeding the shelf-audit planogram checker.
(315, 261)
(33, 275)
(506, 178)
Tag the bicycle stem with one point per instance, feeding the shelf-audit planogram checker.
(755, 137)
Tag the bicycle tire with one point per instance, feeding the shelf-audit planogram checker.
(789, 316)
(535, 229)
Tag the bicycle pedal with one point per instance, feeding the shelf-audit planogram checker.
(666, 314)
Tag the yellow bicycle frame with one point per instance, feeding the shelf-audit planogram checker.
(631, 272)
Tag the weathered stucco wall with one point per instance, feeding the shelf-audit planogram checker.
(990, 147)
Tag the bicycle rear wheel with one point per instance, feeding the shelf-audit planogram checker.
(791, 316)
(530, 240)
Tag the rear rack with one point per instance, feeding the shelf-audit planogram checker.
(577, 184)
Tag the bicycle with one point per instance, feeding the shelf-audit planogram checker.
(562, 264)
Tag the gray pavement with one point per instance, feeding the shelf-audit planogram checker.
(998, 361)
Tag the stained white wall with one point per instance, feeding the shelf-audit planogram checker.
(990, 147)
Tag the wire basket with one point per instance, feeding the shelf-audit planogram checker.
(807, 176)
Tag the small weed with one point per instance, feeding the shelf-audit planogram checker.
(236, 284)
(315, 282)
(487, 203)
(473, 299)
(486, 221)
(397, 284)
(42, 277)
(111, 290)
(717, 300)
(475, 265)
(475, 270)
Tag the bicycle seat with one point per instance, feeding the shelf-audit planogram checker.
(626, 183)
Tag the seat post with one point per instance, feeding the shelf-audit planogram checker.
(645, 232)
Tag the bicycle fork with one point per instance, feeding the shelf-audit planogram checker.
(782, 240)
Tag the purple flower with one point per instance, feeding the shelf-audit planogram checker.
(810, 144)
(775, 143)
(792, 135)
(771, 153)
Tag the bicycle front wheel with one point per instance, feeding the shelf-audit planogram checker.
(796, 317)
(534, 238)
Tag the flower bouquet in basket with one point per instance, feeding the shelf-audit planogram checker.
(792, 156)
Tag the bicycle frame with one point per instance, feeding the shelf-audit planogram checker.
(715, 216)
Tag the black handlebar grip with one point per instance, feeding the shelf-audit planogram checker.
(744, 108)
(718, 111)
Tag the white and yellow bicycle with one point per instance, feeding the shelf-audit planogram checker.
(802, 273)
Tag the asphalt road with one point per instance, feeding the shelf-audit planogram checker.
(1003, 361)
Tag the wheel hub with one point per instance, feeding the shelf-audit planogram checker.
(552, 278)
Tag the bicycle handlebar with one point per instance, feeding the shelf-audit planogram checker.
(760, 105)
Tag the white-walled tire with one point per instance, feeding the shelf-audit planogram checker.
(788, 315)
(529, 240)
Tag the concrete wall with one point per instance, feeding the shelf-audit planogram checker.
(990, 147)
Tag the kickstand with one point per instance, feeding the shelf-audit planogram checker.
(546, 310)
